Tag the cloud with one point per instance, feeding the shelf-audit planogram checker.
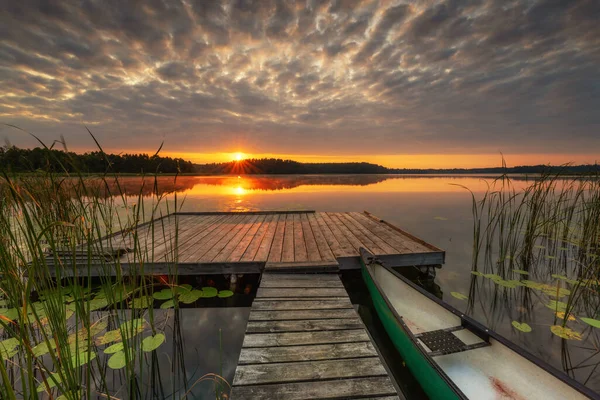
(351, 76)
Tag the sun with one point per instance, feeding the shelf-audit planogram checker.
(238, 156)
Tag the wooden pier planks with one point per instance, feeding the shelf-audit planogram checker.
(304, 340)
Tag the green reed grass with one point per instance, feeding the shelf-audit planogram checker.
(53, 227)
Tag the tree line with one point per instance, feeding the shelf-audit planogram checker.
(14, 159)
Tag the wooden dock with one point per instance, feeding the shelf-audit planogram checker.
(304, 340)
(246, 242)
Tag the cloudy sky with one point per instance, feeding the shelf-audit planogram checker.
(414, 82)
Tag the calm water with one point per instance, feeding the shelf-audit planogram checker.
(435, 208)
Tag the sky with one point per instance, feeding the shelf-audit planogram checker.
(399, 83)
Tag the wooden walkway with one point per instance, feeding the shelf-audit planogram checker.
(305, 341)
(226, 242)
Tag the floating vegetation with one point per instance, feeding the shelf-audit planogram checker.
(225, 293)
(209, 292)
(521, 326)
(459, 295)
(152, 343)
(565, 333)
(477, 273)
(561, 315)
(590, 321)
(520, 271)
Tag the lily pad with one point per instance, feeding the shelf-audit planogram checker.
(508, 284)
(96, 304)
(522, 326)
(592, 322)
(114, 348)
(153, 342)
(557, 305)
(82, 358)
(117, 360)
(52, 380)
(191, 296)
(476, 273)
(164, 294)
(565, 333)
(182, 289)
(561, 315)
(8, 348)
(209, 292)
(459, 296)
(492, 276)
(521, 271)
(532, 284)
(43, 348)
(9, 313)
(142, 302)
(225, 293)
(168, 304)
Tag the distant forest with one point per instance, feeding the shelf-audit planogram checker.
(14, 159)
(29, 160)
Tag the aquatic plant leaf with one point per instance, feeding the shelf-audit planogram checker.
(555, 292)
(561, 315)
(563, 248)
(110, 336)
(164, 294)
(476, 273)
(507, 284)
(69, 395)
(8, 348)
(590, 321)
(52, 380)
(557, 305)
(114, 348)
(492, 276)
(557, 276)
(168, 304)
(522, 326)
(142, 302)
(82, 358)
(441, 218)
(550, 257)
(182, 289)
(117, 360)
(521, 271)
(153, 342)
(538, 246)
(532, 284)
(9, 313)
(209, 292)
(565, 333)
(191, 296)
(42, 348)
(96, 304)
(459, 296)
(225, 293)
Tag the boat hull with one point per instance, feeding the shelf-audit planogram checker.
(434, 385)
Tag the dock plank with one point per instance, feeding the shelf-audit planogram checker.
(347, 233)
(332, 389)
(306, 353)
(301, 314)
(300, 251)
(234, 237)
(277, 245)
(309, 238)
(305, 338)
(190, 251)
(308, 370)
(385, 233)
(332, 232)
(325, 247)
(303, 325)
(300, 283)
(366, 236)
(262, 254)
(287, 253)
(308, 277)
(300, 292)
(244, 244)
(209, 243)
(291, 304)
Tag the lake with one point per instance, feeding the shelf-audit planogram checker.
(438, 209)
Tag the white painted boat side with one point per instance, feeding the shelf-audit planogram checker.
(492, 372)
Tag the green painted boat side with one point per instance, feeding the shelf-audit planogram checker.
(434, 385)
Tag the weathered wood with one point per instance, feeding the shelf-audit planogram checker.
(300, 251)
(333, 389)
(267, 240)
(324, 250)
(190, 250)
(348, 234)
(300, 283)
(331, 231)
(306, 353)
(277, 244)
(291, 304)
(236, 234)
(301, 314)
(257, 238)
(366, 236)
(309, 239)
(303, 325)
(232, 233)
(287, 253)
(208, 242)
(267, 277)
(302, 267)
(308, 370)
(305, 338)
(300, 292)
(243, 212)
(240, 249)
(382, 231)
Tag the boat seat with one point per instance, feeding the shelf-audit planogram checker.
(442, 341)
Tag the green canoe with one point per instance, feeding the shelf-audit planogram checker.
(453, 356)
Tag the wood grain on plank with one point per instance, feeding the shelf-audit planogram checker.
(303, 325)
(385, 233)
(333, 389)
(256, 315)
(348, 234)
(366, 236)
(235, 237)
(305, 338)
(308, 370)
(277, 245)
(311, 277)
(306, 353)
(287, 253)
(309, 239)
(229, 236)
(300, 250)
(189, 252)
(267, 241)
(289, 304)
(258, 237)
(332, 232)
(301, 292)
(324, 246)
(301, 283)
(207, 243)
(237, 253)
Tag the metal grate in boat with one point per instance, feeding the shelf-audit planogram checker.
(442, 341)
